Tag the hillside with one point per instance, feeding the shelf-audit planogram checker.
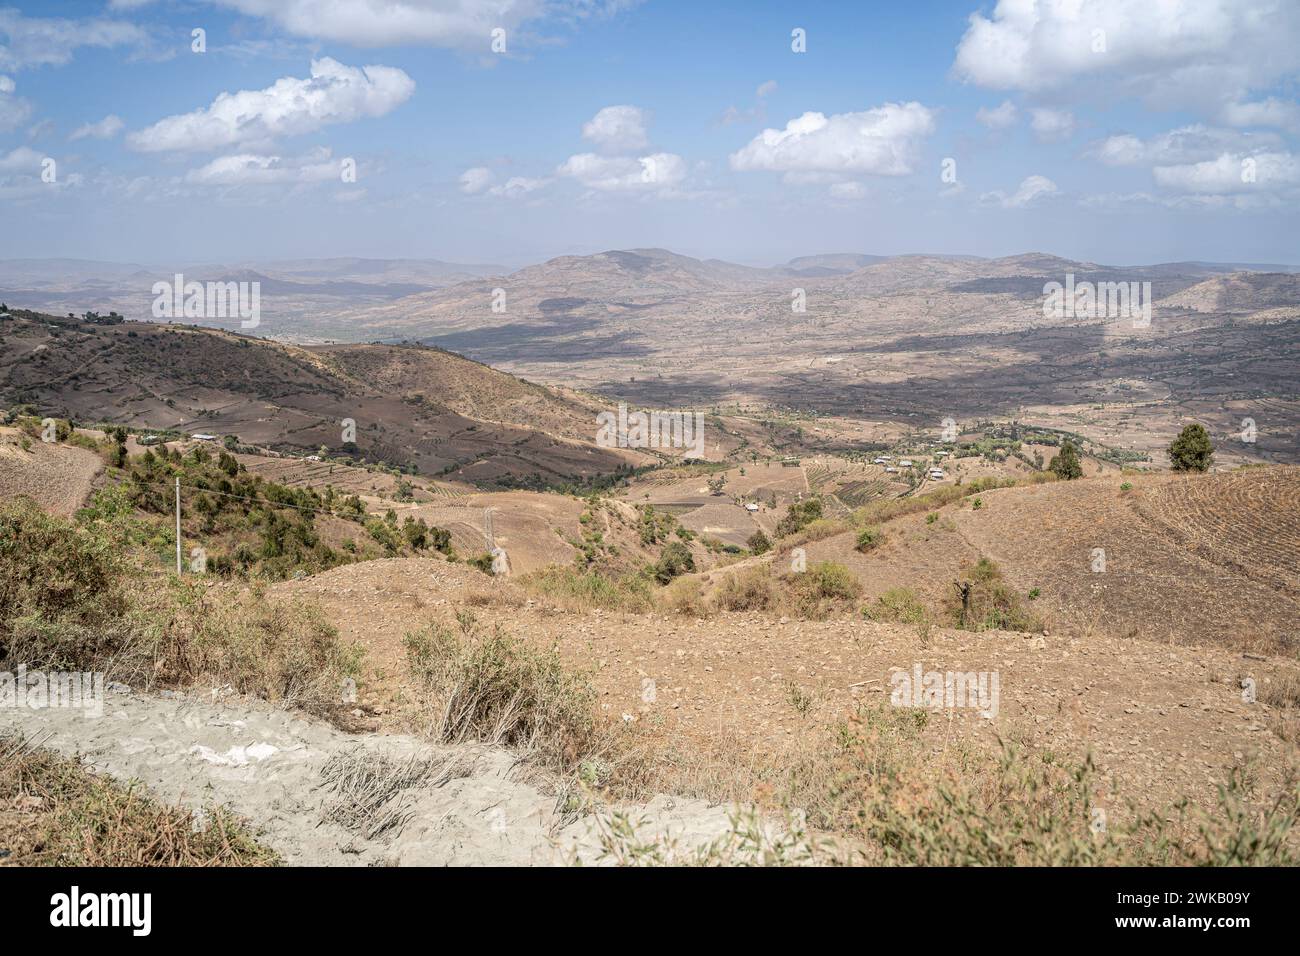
(416, 413)
(1243, 292)
(1206, 560)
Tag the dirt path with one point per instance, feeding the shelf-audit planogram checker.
(473, 805)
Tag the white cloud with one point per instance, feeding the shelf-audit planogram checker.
(334, 93)
(1187, 144)
(22, 159)
(14, 110)
(106, 128)
(1233, 173)
(883, 141)
(617, 129)
(1030, 189)
(765, 89)
(52, 41)
(1267, 112)
(444, 23)
(246, 169)
(850, 190)
(517, 186)
(1000, 117)
(1050, 125)
(1207, 54)
(480, 179)
(659, 172)
(475, 180)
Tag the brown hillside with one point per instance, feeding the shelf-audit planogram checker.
(1208, 559)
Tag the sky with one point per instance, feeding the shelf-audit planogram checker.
(511, 131)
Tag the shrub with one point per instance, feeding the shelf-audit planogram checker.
(799, 514)
(674, 560)
(61, 594)
(991, 603)
(748, 590)
(830, 580)
(869, 539)
(496, 689)
(898, 605)
(759, 543)
(1192, 450)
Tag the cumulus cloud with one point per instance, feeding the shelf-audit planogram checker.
(52, 41)
(1030, 189)
(106, 128)
(334, 93)
(1210, 54)
(617, 129)
(443, 23)
(248, 169)
(1233, 173)
(999, 117)
(22, 159)
(883, 141)
(1050, 125)
(658, 172)
(481, 180)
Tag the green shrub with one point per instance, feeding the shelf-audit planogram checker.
(897, 605)
(869, 539)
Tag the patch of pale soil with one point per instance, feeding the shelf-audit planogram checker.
(1166, 721)
(268, 766)
(59, 477)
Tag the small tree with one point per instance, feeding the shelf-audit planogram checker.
(1066, 465)
(758, 542)
(1192, 450)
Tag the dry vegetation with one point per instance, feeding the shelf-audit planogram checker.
(54, 812)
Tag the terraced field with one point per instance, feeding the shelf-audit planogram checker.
(1247, 521)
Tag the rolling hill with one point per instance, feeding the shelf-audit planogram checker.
(412, 407)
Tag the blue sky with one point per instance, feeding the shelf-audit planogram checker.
(1113, 130)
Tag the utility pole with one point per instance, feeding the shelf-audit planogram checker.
(178, 525)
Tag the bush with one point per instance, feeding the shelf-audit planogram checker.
(897, 605)
(799, 514)
(758, 543)
(993, 605)
(829, 579)
(869, 539)
(674, 560)
(748, 590)
(61, 594)
(1192, 450)
(496, 689)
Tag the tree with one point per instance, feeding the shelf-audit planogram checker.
(1066, 465)
(758, 542)
(1192, 450)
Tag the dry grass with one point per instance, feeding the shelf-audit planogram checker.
(493, 688)
(54, 812)
(369, 793)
